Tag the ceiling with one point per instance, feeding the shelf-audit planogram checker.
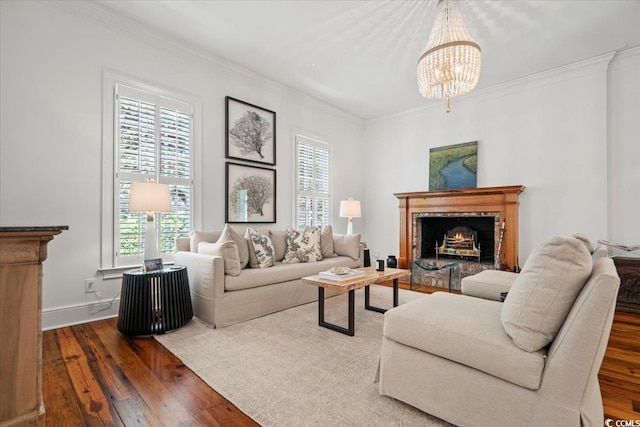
(360, 56)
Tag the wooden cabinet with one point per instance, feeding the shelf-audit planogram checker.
(22, 251)
(629, 293)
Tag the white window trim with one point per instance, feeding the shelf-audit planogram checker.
(294, 201)
(110, 79)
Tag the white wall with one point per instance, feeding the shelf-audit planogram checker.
(52, 63)
(548, 132)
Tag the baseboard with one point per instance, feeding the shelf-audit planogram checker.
(79, 313)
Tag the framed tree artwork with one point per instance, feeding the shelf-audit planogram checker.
(250, 132)
(250, 194)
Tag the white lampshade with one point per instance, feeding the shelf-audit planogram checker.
(149, 197)
(350, 209)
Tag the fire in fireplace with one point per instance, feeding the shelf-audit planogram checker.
(461, 242)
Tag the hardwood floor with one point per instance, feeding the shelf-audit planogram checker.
(93, 375)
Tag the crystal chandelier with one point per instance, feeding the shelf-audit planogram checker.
(450, 63)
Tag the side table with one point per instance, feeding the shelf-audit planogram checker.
(154, 302)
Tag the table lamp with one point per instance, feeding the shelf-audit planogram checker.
(350, 209)
(150, 197)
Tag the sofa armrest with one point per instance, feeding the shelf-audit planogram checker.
(206, 281)
(488, 284)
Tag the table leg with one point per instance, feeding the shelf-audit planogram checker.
(367, 299)
(352, 314)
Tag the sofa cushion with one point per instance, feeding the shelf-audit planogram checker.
(243, 250)
(488, 284)
(254, 277)
(228, 251)
(326, 242)
(261, 253)
(347, 245)
(544, 291)
(203, 236)
(279, 240)
(439, 322)
(303, 246)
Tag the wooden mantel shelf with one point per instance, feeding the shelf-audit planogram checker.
(503, 201)
(517, 189)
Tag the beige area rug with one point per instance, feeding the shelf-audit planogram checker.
(285, 370)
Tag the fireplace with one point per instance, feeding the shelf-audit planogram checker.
(428, 221)
(470, 238)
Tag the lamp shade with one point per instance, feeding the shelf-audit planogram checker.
(350, 209)
(149, 197)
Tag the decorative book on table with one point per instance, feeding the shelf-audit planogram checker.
(345, 275)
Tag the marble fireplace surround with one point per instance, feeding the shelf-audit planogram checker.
(498, 202)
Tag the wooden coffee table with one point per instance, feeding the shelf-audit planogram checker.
(370, 277)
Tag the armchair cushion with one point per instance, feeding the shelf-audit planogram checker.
(544, 291)
(465, 330)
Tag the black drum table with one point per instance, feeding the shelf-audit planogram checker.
(154, 302)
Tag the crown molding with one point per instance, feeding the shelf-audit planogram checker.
(626, 55)
(595, 64)
(163, 41)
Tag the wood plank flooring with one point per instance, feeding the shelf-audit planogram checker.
(94, 376)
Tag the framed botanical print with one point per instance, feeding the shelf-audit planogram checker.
(250, 194)
(250, 132)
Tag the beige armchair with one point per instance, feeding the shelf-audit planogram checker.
(450, 355)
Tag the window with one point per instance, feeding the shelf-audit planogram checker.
(313, 200)
(153, 140)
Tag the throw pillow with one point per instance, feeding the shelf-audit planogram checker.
(243, 251)
(303, 246)
(228, 251)
(326, 242)
(543, 293)
(279, 240)
(585, 240)
(262, 249)
(202, 236)
(347, 245)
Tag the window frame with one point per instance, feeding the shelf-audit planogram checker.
(320, 142)
(112, 81)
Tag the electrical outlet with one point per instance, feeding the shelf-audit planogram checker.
(89, 286)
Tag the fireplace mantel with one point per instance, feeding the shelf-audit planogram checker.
(501, 200)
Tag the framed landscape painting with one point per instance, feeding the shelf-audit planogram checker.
(250, 194)
(453, 166)
(250, 132)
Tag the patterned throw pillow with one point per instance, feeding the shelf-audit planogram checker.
(303, 246)
(263, 248)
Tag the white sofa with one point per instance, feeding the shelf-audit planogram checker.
(450, 355)
(221, 300)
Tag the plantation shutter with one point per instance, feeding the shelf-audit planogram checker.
(313, 199)
(153, 141)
